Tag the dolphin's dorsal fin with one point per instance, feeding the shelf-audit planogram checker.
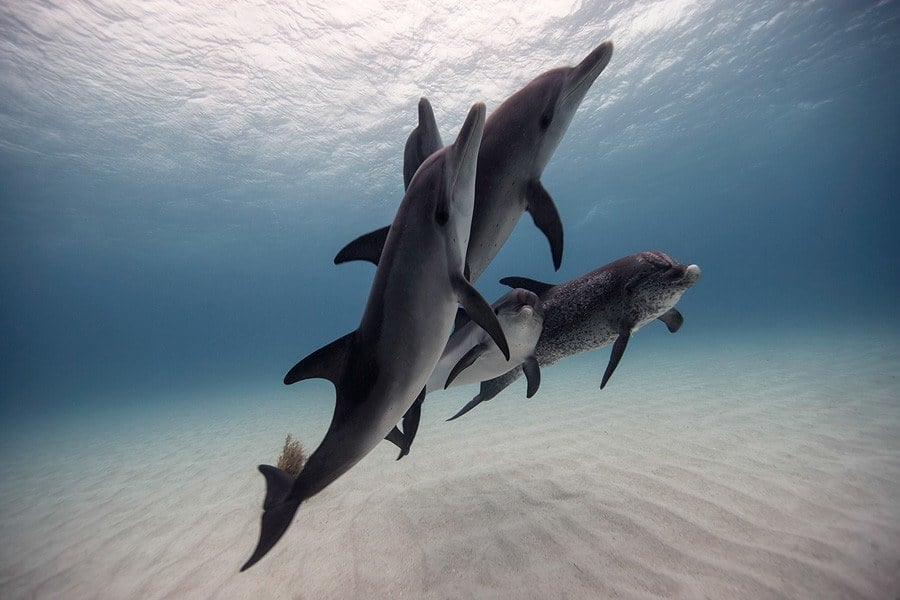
(423, 141)
(532, 374)
(325, 363)
(466, 361)
(673, 320)
(618, 350)
(546, 217)
(366, 247)
(532, 285)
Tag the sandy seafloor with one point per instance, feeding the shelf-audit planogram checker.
(748, 466)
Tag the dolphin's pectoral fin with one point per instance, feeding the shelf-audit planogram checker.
(480, 312)
(278, 512)
(469, 406)
(489, 389)
(411, 423)
(395, 436)
(618, 350)
(532, 285)
(462, 317)
(466, 361)
(546, 217)
(673, 320)
(366, 247)
(326, 363)
(532, 374)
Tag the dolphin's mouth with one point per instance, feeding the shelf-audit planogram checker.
(689, 274)
(692, 273)
(671, 269)
(471, 145)
(522, 304)
(588, 70)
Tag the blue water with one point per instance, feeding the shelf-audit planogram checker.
(175, 181)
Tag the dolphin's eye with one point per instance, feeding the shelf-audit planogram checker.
(497, 311)
(442, 216)
(546, 119)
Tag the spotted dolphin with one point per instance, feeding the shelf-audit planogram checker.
(380, 369)
(520, 137)
(602, 307)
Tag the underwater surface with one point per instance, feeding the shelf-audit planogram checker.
(177, 178)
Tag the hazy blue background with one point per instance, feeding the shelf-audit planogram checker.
(176, 180)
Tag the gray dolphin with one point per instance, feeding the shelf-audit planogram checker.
(602, 307)
(379, 369)
(519, 138)
(471, 356)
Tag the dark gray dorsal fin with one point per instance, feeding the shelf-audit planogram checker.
(366, 247)
(466, 361)
(532, 374)
(532, 285)
(325, 363)
(422, 142)
(673, 320)
(546, 217)
(618, 350)
(480, 312)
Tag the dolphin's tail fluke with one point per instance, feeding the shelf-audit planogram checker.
(278, 511)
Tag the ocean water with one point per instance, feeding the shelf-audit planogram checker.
(177, 177)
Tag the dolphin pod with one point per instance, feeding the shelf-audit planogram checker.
(460, 205)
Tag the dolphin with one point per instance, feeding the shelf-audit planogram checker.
(471, 356)
(602, 307)
(520, 136)
(380, 369)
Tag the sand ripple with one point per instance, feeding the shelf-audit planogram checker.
(740, 473)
